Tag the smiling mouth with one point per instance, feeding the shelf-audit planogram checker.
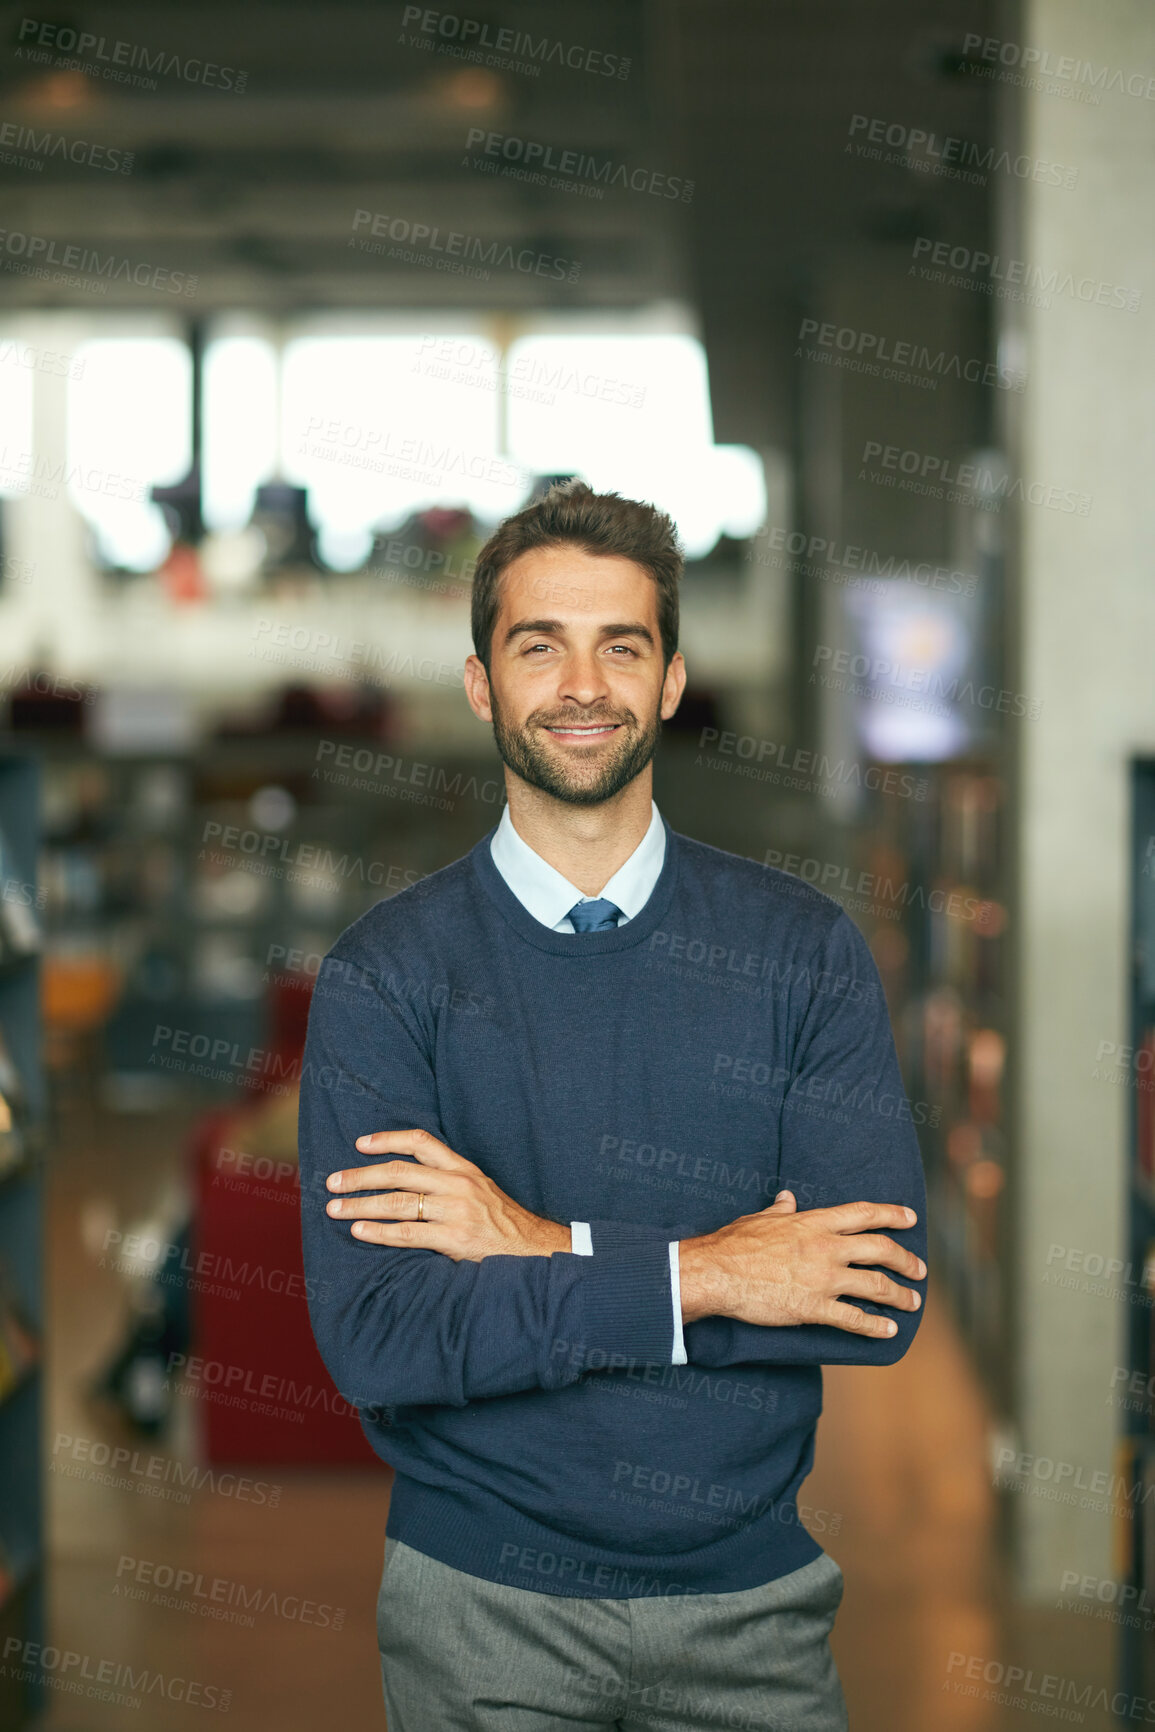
(595, 731)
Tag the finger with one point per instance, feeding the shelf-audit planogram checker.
(392, 1175)
(394, 1206)
(785, 1203)
(876, 1248)
(414, 1235)
(421, 1144)
(863, 1217)
(427, 1148)
(857, 1322)
(872, 1284)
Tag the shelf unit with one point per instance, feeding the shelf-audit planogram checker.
(191, 883)
(21, 1240)
(933, 854)
(1137, 1409)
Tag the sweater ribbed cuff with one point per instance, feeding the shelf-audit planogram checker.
(625, 1304)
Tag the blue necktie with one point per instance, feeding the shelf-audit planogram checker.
(597, 916)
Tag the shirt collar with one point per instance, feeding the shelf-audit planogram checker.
(548, 895)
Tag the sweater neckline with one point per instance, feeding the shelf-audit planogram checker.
(578, 944)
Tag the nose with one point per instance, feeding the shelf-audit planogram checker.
(583, 679)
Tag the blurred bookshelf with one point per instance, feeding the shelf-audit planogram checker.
(930, 847)
(22, 1137)
(180, 888)
(1136, 1464)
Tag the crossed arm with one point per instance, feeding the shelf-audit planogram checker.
(774, 1268)
(482, 1298)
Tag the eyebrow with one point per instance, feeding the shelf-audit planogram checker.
(555, 628)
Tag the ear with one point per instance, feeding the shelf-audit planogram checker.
(477, 688)
(673, 685)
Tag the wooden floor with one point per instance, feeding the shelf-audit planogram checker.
(901, 1465)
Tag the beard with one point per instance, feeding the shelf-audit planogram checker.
(586, 780)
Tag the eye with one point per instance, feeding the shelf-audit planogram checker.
(627, 647)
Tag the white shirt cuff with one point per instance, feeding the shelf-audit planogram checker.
(679, 1356)
(581, 1239)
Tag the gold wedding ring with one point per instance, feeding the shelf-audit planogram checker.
(421, 1205)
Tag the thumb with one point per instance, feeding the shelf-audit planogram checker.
(785, 1203)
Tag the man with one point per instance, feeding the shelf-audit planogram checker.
(635, 1164)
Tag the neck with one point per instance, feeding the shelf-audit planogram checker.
(586, 844)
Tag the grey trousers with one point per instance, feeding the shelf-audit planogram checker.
(460, 1654)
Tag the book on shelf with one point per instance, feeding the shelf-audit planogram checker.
(1145, 1107)
(13, 1111)
(19, 1344)
(19, 901)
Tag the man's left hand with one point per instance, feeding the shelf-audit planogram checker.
(465, 1215)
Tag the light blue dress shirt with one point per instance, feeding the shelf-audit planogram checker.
(546, 894)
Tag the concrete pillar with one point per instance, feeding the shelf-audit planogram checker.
(1086, 631)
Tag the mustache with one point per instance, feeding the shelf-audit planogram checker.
(539, 720)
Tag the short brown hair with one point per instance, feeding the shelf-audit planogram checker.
(600, 523)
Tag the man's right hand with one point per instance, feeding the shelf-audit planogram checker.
(782, 1266)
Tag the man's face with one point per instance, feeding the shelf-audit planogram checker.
(576, 691)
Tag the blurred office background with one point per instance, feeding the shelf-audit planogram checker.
(295, 304)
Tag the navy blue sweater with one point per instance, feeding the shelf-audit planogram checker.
(656, 1080)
